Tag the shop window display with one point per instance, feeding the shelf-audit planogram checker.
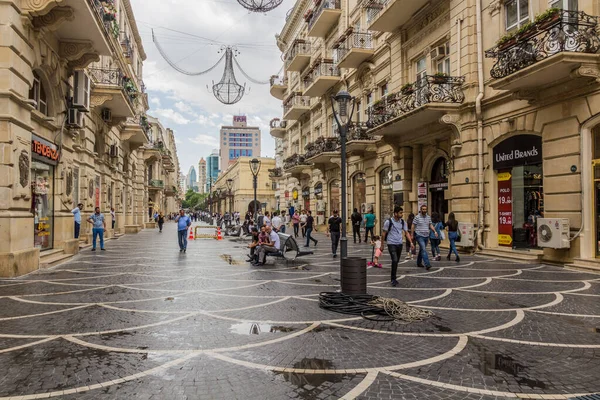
(42, 191)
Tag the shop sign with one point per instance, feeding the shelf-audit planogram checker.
(319, 190)
(398, 186)
(422, 194)
(306, 192)
(505, 228)
(295, 194)
(438, 186)
(43, 150)
(518, 150)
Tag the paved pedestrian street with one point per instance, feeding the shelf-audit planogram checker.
(144, 321)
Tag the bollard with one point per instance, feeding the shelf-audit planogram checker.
(354, 275)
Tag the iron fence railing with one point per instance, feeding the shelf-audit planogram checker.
(430, 89)
(323, 68)
(373, 8)
(296, 101)
(562, 31)
(114, 77)
(324, 5)
(321, 145)
(276, 123)
(107, 14)
(276, 172)
(298, 48)
(156, 183)
(293, 161)
(359, 131)
(278, 80)
(355, 40)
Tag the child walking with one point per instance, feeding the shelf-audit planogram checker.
(376, 243)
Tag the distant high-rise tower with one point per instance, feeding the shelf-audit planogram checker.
(192, 179)
(212, 168)
(238, 140)
(202, 176)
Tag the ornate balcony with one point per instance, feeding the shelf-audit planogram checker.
(416, 105)
(321, 77)
(297, 167)
(322, 151)
(547, 52)
(136, 131)
(354, 49)
(113, 90)
(278, 86)
(276, 173)
(278, 128)
(155, 184)
(388, 15)
(298, 57)
(295, 105)
(170, 190)
(126, 47)
(323, 17)
(359, 141)
(153, 151)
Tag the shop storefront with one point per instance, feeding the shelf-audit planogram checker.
(45, 156)
(334, 196)
(437, 186)
(386, 195)
(318, 192)
(359, 191)
(518, 165)
(306, 198)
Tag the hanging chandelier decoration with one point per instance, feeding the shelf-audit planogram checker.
(259, 6)
(228, 90)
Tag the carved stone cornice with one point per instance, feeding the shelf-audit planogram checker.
(453, 119)
(73, 50)
(531, 95)
(84, 61)
(39, 7)
(53, 19)
(587, 71)
(99, 99)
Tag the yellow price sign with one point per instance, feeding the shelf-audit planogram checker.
(504, 240)
(504, 176)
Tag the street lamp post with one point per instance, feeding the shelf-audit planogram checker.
(229, 183)
(343, 116)
(219, 200)
(255, 168)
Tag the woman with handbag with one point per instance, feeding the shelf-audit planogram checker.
(436, 239)
(453, 235)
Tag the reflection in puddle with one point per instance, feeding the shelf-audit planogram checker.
(230, 260)
(249, 328)
(311, 386)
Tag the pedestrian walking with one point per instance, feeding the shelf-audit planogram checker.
(296, 223)
(183, 223)
(272, 246)
(420, 228)
(333, 230)
(161, 221)
(77, 218)
(409, 221)
(113, 217)
(303, 218)
(308, 227)
(369, 224)
(155, 216)
(98, 227)
(436, 239)
(395, 231)
(453, 235)
(356, 220)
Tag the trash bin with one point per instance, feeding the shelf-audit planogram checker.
(354, 275)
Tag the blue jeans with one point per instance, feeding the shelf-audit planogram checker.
(435, 246)
(181, 235)
(452, 236)
(282, 228)
(98, 232)
(422, 257)
(308, 237)
(77, 228)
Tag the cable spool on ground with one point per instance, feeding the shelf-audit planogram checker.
(374, 308)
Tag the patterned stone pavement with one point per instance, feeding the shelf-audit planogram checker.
(144, 321)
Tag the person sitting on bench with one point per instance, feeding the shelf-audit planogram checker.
(271, 247)
(253, 246)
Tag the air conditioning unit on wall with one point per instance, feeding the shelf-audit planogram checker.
(74, 118)
(553, 233)
(81, 91)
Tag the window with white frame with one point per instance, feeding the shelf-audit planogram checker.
(570, 5)
(358, 116)
(443, 64)
(369, 99)
(517, 13)
(37, 93)
(334, 127)
(421, 68)
(384, 90)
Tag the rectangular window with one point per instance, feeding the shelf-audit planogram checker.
(384, 90)
(231, 154)
(517, 13)
(443, 65)
(358, 116)
(421, 68)
(570, 5)
(249, 153)
(369, 99)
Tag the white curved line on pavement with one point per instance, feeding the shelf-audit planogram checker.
(42, 314)
(541, 344)
(558, 298)
(24, 346)
(446, 293)
(361, 387)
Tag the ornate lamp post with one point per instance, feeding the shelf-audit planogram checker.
(255, 169)
(343, 116)
(229, 186)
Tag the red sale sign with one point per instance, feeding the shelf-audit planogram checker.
(505, 224)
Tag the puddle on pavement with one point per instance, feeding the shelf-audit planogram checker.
(492, 362)
(322, 328)
(249, 328)
(230, 260)
(309, 385)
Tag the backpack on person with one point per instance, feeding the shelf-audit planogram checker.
(391, 225)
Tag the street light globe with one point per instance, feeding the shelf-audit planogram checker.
(255, 166)
(229, 183)
(343, 99)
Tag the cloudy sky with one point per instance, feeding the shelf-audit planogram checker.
(192, 33)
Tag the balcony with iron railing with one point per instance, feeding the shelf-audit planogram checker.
(276, 173)
(323, 17)
(126, 47)
(298, 56)
(278, 86)
(119, 91)
(546, 51)
(353, 49)
(295, 162)
(155, 184)
(322, 150)
(417, 104)
(359, 140)
(278, 128)
(295, 106)
(322, 76)
(388, 15)
(107, 12)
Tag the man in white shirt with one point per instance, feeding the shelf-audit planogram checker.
(266, 219)
(271, 247)
(303, 218)
(276, 221)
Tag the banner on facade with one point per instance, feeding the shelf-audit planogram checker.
(505, 228)
(422, 194)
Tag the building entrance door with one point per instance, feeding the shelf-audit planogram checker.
(437, 186)
(596, 168)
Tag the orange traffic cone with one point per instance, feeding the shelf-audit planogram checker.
(219, 237)
(191, 234)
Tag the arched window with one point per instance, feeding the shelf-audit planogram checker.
(37, 93)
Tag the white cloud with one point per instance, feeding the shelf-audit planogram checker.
(206, 140)
(171, 115)
(155, 101)
(185, 108)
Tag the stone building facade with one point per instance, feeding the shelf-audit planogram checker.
(73, 127)
(484, 108)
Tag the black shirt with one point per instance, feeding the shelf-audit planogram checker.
(334, 224)
(356, 218)
(309, 221)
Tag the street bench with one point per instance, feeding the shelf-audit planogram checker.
(288, 248)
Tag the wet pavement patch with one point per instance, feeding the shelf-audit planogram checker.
(230, 260)
(249, 328)
(310, 386)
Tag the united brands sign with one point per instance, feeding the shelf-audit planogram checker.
(518, 150)
(43, 150)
